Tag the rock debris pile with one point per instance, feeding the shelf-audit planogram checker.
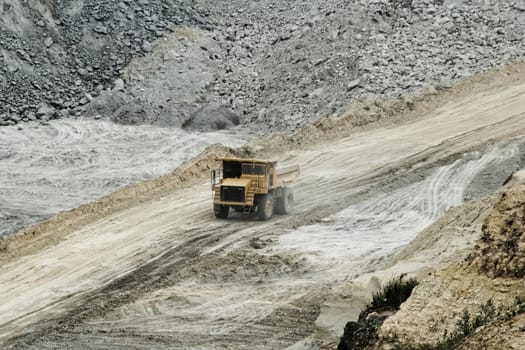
(56, 56)
(288, 62)
(275, 65)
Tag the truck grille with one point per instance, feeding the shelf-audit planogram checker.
(232, 194)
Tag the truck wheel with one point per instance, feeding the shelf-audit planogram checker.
(285, 202)
(221, 211)
(265, 207)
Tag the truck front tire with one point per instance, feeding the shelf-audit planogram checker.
(221, 211)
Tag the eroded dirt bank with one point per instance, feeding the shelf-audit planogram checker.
(151, 268)
(477, 296)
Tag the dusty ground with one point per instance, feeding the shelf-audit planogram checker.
(164, 273)
(207, 65)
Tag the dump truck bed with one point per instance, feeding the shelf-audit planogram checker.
(286, 175)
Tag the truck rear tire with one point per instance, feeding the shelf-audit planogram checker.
(221, 211)
(265, 207)
(284, 202)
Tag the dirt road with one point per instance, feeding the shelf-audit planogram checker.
(166, 274)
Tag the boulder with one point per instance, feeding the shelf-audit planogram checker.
(212, 116)
(45, 112)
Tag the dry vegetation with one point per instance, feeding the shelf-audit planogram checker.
(501, 249)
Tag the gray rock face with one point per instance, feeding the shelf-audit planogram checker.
(85, 45)
(274, 64)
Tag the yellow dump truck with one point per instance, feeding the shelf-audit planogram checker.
(252, 186)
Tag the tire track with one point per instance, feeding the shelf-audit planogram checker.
(393, 219)
(314, 257)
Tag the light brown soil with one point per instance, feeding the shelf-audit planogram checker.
(479, 273)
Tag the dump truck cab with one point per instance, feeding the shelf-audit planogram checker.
(252, 186)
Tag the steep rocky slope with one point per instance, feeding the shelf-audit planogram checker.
(274, 65)
(56, 56)
(287, 62)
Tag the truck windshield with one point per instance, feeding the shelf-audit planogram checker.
(253, 169)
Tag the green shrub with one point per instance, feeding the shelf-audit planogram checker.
(363, 333)
(393, 294)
